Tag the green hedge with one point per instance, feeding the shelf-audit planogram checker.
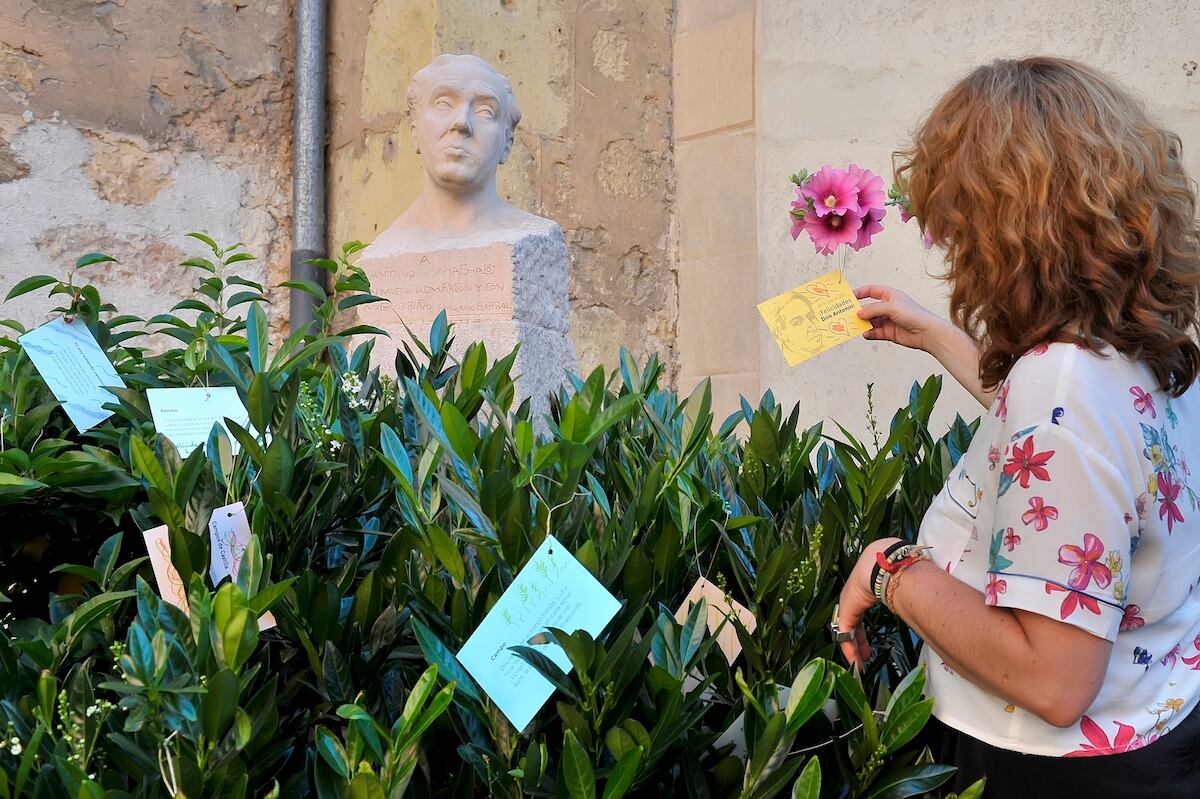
(389, 512)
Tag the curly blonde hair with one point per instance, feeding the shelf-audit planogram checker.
(1065, 215)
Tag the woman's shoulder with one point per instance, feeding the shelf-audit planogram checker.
(1097, 396)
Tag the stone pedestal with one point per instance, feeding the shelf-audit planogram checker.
(503, 287)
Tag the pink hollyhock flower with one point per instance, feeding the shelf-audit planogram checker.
(830, 231)
(871, 224)
(1168, 493)
(832, 191)
(1025, 463)
(1130, 620)
(799, 204)
(872, 204)
(1039, 514)
(871, 196)
(1143, 403)
(994, 588)
(1126, 740)
(1086, 561)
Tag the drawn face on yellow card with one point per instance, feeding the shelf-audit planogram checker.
(813, 317)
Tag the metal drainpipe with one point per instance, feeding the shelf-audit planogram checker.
(308, 157)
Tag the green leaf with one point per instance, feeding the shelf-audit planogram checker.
(577, 772)
(89, 614)
(902, 727)
(256, 336)
(212, 245)
(12, 485)
(29, 284)
(307, 286)
(332, 752)
(808, 786)
(623, 774)
(438, 654)
(366, 786)
(259, 401)
(974, 790)
(219, 703)
(909, 781)
(93, 258)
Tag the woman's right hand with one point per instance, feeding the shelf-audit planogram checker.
(898, 318)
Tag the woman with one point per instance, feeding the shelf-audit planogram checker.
(1057, 595)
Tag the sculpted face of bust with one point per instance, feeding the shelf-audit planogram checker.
(463, 119)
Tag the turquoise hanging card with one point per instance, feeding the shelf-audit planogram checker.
(553, 590)
(75, 369)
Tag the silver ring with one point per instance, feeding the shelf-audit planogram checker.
(839, 636)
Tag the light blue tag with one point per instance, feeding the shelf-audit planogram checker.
(75, 368)
(553, 590)
(187, 415)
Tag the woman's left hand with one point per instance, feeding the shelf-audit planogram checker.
(858, 596)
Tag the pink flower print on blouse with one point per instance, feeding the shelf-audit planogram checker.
(1131, 620)
(1040, 349)
(1194, 660)
(1002, 402)
(1086, 561)
(1143, 403)
(1011, 540)
(1097, 743)
(994, 588)
(1025, 463)
(1073, 601)
(993, 458)
(1039, 514)
(1169, 659)
(1168, 493)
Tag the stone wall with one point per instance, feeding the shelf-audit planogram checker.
(593, 151)
(125, 125)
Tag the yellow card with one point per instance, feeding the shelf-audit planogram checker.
(814, 317)
(720, 608)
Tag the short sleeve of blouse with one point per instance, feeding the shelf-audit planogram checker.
(1060, 544)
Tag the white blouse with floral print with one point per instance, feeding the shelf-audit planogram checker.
(1075, 501)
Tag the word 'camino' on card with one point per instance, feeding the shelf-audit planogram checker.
(186, 415)
(814, 317)
(228, 537)
(552, 590)
(75, 369)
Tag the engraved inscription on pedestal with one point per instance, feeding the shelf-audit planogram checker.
(474, 284)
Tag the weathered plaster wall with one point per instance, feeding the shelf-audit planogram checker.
(125, 125)
(593, 150)
(835, 88)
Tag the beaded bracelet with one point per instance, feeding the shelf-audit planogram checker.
(890, 563)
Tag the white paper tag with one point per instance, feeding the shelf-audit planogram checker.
(229, 535)
(170, 584)
(186, 415)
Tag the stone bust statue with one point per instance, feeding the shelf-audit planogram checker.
(463, 117)
(499, 273)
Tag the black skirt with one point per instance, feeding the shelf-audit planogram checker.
(1169, 768)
